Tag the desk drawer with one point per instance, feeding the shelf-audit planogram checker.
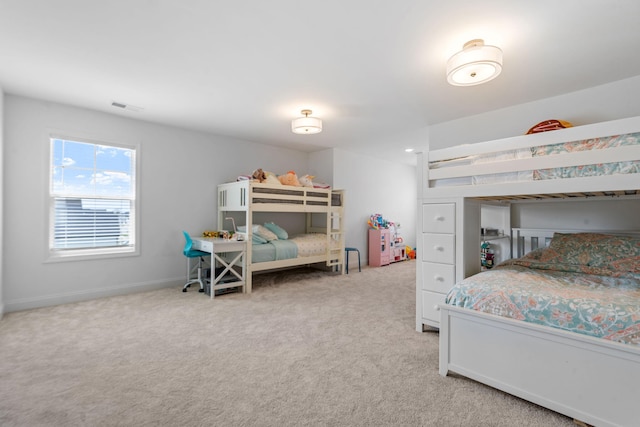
(439, 218)
(203, 245)
(438, 277)
(439, 248)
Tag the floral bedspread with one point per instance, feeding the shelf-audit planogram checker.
(588, 170)
(599, 306)
(587, 283)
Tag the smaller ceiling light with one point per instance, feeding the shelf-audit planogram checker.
(476, 63)
(306, 125)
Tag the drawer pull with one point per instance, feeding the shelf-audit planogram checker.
(439, 218)
(438, 248)
(438, 278)
(436, 307)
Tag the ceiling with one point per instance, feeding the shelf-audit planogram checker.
(372, 70)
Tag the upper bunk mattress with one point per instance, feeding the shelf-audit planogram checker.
(573, 171)
(597, 169)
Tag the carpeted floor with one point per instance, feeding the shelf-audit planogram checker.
(306, 348)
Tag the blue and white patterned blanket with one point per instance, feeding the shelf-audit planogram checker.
(584, 283)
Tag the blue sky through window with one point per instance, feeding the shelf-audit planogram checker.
(91, 170)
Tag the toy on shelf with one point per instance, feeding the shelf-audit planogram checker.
(222, 234)
(376, 221)
(486, 255)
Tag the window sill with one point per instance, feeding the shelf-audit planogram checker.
(90, 254)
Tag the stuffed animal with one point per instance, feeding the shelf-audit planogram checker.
(272, 179)
(259, 175)
(290, 178)
(306, 180)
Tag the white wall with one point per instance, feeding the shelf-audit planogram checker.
(180, 170)
(321, 166)
(375, 186)
(611, 101)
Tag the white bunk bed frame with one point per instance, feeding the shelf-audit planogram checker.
(252, 197)
(592, 380)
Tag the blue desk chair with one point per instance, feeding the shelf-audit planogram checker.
(190, 253)
(347, 250)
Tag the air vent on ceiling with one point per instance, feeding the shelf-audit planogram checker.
(125, 106)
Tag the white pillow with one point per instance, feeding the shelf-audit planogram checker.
(261, 231)
(277, 230)
(265, 233)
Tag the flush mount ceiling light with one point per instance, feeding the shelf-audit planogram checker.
(306, 125)
(476, 63)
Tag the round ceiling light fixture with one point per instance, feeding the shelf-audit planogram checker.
(306, 125)
(476, 63)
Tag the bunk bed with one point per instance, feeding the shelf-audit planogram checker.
(589, 378)
(322, 241)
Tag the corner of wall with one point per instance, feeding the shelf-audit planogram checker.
(321, 165)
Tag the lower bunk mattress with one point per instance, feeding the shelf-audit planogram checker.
(585, 283)
(299, 246)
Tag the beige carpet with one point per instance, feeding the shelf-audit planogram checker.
(304, 349)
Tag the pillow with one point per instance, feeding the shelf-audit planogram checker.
(597, 250)
(277, 230)
(264, 232)
(257, 240)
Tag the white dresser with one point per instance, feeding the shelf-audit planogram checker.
(446, 225)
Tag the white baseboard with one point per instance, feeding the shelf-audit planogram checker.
(69, 297)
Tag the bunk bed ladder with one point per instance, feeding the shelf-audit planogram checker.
(335, 233)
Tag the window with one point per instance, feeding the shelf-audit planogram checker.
(92, 199)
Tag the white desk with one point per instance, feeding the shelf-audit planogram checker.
(217, 246)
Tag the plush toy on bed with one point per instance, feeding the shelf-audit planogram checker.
(548, 125)
(306, 180)
(290, 178)
(272, 178)
(259, 175)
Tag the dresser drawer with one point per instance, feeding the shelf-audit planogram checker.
(439, 218)
(430, 301)
(440, 248)
(438, 277)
